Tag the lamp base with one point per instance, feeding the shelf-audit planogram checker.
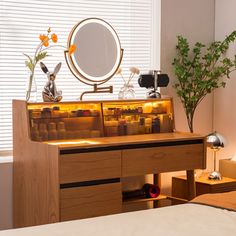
(153, 94)
(215, 175)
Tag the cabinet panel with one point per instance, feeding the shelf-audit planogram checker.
(83, 202)
(162, 159)
(203, 186)
(90, 166)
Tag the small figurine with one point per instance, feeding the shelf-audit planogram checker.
(50, 92)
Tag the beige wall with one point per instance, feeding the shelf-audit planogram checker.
(224, 99)
(5, 194)
(195, 21)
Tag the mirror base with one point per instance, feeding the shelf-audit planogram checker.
(97, 89)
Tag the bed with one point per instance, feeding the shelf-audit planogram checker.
(207, 215)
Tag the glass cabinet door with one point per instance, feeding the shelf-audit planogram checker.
(65, 121)
(137, 117)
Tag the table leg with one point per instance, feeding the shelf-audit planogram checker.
(191, 184)
(156, 181)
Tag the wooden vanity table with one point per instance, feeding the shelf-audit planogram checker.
(80, 176)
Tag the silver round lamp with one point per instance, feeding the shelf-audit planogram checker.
(215, 141)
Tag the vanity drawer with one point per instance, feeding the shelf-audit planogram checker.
(162, 159)
(83, 202)
(89, 166)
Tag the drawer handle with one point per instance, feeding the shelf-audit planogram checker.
(89, 183)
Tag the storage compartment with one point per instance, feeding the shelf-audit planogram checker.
(89, 166)
(80, 120)
(162, 159)
(137, 117)
(84, 202)
(57, 121)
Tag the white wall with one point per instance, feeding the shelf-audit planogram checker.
(195, 21)
(224, 99)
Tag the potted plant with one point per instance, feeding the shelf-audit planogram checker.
(200, 70)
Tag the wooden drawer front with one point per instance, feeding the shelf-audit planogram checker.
(90, 166)
(162, 159)
(83, 202)
(224, 187)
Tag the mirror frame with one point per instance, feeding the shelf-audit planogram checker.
(70, 59)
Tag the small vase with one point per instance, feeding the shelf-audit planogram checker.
(31, 89)
(126, 92)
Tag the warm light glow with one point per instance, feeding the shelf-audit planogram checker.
(147, 108)
(80, 142)
(155, 104)
(66, 106)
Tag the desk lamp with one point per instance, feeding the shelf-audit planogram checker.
(215, 141)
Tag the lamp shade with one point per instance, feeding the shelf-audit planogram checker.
(216, 140)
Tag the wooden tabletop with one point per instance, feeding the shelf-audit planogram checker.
(204, 179)
(125, 140)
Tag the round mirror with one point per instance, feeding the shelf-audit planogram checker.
(98, 52)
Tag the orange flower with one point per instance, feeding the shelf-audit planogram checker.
(42, 37)
(45, 42)
(72, 49)
(54, 38)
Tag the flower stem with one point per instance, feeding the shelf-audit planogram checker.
(52, 47)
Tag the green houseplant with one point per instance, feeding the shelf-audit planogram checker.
(200, 70)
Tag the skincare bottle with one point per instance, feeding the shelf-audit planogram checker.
(52, 132)
(43, 133)
(61, 131)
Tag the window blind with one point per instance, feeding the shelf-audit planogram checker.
(21, 22)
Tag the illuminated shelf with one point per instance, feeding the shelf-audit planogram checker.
(66, 117)
(130, 114)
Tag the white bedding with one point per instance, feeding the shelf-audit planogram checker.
(181, 220)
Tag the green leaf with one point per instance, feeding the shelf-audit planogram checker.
(40, 56)
(223, 84)
(28, 57)
(201, 70)
(29, 65)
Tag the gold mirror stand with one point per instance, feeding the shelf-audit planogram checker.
(108, 89)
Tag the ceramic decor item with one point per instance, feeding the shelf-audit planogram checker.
(50, 92)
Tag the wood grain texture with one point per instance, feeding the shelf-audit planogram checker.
(39, 169)
(125, 140)
(35, 175)
(90, 166)
(118, 101)
(162, 159)
(84, 202)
